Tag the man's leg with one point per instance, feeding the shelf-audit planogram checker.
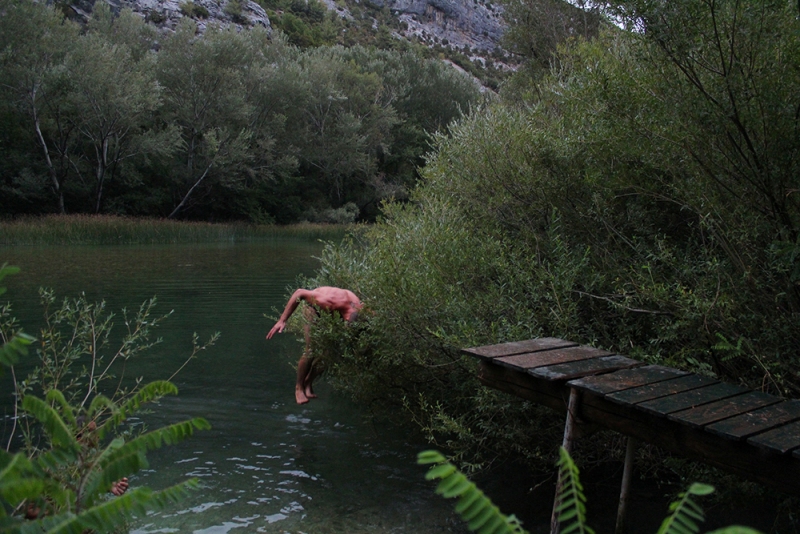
(304, 367)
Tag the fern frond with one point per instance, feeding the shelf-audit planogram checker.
(685, 512)
(55, 459)
(100, 402)
(473, 506)
(735, 529)
(571, 499)
(57, 431)
(101, 481)
(168, 435)
(149, 393)
(116, 511)
(15, 347)
(55, 396)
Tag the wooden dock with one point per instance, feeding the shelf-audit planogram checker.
(746, 432)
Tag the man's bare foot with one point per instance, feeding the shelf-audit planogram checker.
(310, 393)
(300, 396)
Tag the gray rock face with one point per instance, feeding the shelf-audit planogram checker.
(473, 23)
(167, 13)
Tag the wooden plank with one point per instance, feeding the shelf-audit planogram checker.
(777, 471)
(627, 379)
(781, 440)
(523, 362)
(551, 394)
(691, 398)
(518, 347)
(660, 389)
(581, 368)
(748, 424)
(716, 411)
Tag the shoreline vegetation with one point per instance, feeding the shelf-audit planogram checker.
(115, 230)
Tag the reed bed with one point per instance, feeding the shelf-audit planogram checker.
(113, 230)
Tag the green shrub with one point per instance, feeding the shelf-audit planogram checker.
(193, 10)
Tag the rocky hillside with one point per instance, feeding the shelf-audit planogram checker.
(463, 24)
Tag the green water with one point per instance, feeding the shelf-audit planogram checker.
(267, 465)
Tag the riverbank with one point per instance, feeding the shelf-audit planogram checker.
(108, 230)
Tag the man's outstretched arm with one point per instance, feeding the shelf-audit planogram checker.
(291, 306)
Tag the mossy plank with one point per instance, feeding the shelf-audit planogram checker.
(626, 379)
(688, 399)
(706, 414)
(781, 440)
(518, 347)
(660, 389)
(551, 357)
(586, 367)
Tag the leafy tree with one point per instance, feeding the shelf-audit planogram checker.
(113, 99)
(204, 90)
(35, 42)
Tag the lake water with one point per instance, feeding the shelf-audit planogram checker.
(267, 465)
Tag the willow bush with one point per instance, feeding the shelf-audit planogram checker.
(642, 198)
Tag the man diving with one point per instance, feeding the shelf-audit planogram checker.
(330, 299)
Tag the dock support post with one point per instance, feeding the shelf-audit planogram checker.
(624, 491)
(569, 429)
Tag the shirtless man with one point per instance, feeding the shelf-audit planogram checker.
(331, 299)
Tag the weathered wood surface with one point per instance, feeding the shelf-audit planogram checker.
(582, 368)
(724, 409)
(627, 379)
(746, 432)
(781, 440)
(532, 360)
(519, 347)
(751, 423)
(660, 389)
(689, 399)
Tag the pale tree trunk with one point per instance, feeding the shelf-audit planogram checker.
(50, 168)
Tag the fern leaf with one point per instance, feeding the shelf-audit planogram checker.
(736, 529)
(571, 499)
(473, 506)
(15, 347)
(55, 459)
(101, 481)
(685, 512)
(56, 396)
(149, 393)
(153, 440)
(98, 403)
(57, 431)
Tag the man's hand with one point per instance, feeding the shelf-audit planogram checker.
(120, 486)
(277, 329)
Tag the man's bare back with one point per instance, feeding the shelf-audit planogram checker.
(332, 299)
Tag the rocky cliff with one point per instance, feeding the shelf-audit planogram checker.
(471, 25)
(166, 13)
(475, 24)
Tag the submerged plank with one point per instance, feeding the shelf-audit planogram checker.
(518, 347)
(748, 424)
(781, 440)
(723, 409)
(660, 389)
(581, 368)
(541, 359)
(626, 379)
(691, 398)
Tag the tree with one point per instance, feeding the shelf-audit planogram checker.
(35, 42)
(203, 81)
(114, 98)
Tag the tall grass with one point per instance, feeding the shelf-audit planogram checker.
(104, 229)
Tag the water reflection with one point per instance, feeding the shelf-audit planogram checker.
(267, 464)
